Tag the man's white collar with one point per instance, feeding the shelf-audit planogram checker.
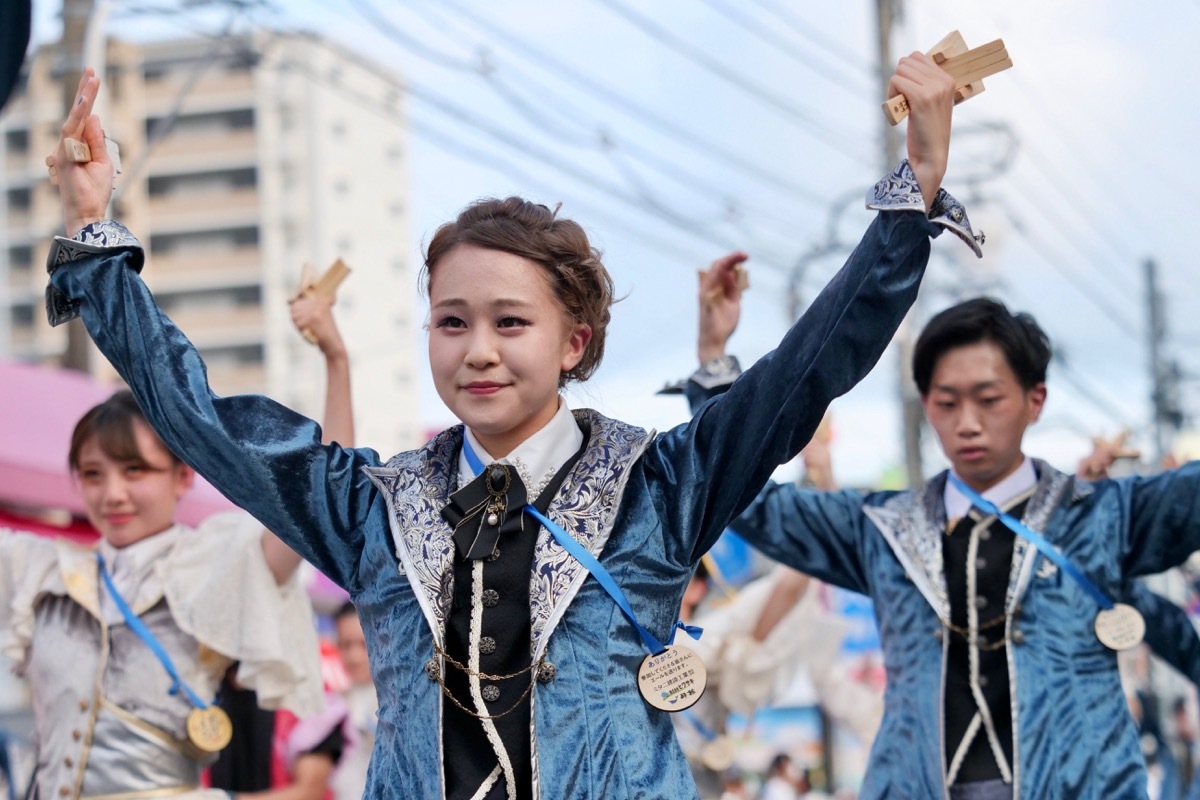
(1023, 479)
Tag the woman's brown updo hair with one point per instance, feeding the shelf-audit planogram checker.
(578, 278)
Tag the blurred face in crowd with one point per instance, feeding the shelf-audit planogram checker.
(352, 647)
(980, 411)
(130, 498)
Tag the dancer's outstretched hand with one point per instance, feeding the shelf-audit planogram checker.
(84, 188)
(720, 305)
(929, 90)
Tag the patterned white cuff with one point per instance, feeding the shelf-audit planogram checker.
(899, 192)
(718, 372)
(97, 238)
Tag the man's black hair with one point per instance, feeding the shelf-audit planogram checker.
(982, 319)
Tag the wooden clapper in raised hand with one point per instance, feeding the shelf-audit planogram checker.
(969, 68)
(326, 286)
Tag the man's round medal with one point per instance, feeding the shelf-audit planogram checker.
(209, 729)
(672, 680)
(1120, 627)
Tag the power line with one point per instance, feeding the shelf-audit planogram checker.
(825, 69)
(518, 144)
(607, 144)
(372, 15)
(1073, 236)
(1052, 256)
(802, 118)
(842, 56)
(644, 114)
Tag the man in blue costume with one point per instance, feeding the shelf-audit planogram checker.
(998, 685)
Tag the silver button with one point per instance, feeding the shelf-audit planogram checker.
(491, 693)
(981, 601)
(546, 672)
(432, 670)
(1018, 637)
(981, 563)
(490, 598)
(937, 634)
(985, 534)
(487, 645)
(956, 213)
(983, 681)
(495, 555)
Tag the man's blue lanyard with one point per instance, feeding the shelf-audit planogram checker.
(589, 562)
(1036, 539)
(139, 627)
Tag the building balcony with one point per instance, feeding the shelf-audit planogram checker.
(228, 379)
(194, 152)
(213, 91)
(190, 211)
(191, 271)
(217, 326)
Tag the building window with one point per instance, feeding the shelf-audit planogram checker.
(22, 316)
(19, 199)
(20, 257)
(217, 180)
(17, 141)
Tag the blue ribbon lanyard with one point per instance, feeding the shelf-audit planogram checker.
(1036, 539)
(139, 627)
(589, 562)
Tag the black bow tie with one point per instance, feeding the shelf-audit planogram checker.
(484, 509)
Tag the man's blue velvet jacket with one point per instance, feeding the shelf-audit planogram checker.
(647, 505)
(1073, 734)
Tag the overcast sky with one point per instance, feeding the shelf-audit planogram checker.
(1078, 164)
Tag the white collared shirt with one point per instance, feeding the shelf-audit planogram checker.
(537, 458)
(1022, 480)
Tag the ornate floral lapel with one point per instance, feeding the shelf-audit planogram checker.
(912, 523)
(586, 507)
(416, 486)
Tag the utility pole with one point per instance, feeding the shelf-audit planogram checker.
(911, 413)
(1164, 375)
(76, 14)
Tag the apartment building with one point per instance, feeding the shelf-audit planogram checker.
(245, 159)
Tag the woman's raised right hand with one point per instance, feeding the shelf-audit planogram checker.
(83, 188)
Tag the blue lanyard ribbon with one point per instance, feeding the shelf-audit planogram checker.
(590, 563)
(139, 627)
(1036, 539)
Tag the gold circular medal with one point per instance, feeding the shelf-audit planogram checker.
(1120, 627)
(672, 680)
(718, 754)
(209, 729)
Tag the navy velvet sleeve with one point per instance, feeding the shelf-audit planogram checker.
(1163, 513)
(1169, 630)
(818, 533)
(263, 456)
(710, 469)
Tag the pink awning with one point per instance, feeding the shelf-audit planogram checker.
(39, 407)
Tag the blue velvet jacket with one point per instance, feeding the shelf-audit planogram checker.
(1073, 734)
(648, 506)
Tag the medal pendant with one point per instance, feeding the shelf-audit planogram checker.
(1120, 627)
(209, 729)
(673, 680)
(719, 754)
